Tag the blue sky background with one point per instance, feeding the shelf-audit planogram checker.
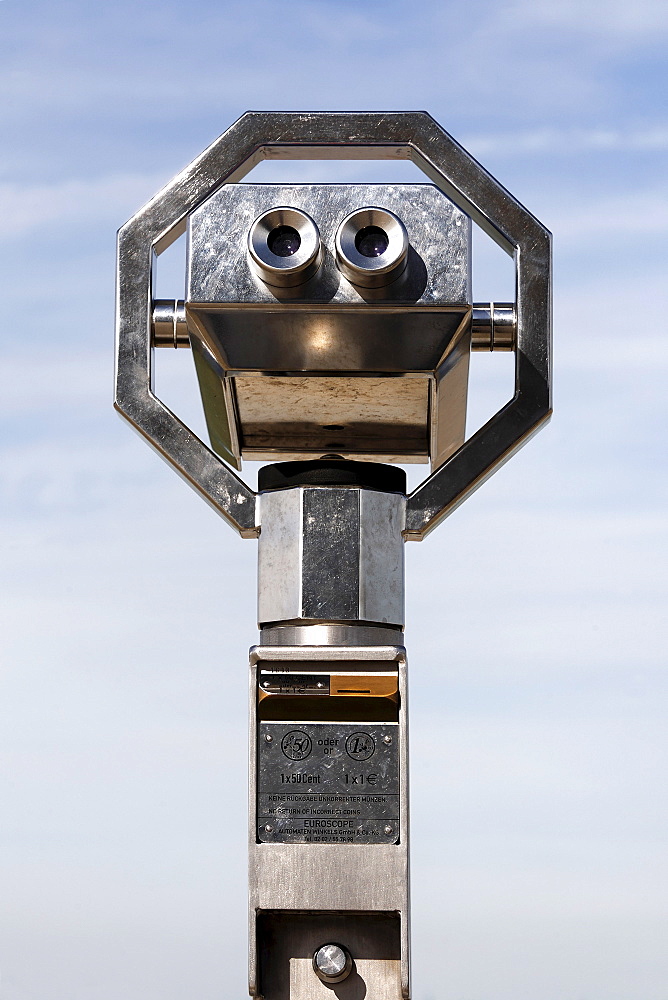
(536, 614)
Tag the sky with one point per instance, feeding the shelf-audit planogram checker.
(536, 623)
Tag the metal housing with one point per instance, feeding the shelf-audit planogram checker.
(362, 888)
(331, 555)
(395, 135)
(332, 366)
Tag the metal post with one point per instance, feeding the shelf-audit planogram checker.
(331, 329)
(328, 829)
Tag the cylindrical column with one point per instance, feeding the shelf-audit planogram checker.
(169, 326)
(493, 326)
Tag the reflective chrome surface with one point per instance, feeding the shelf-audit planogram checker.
(324, 135)
(493, 326)
(438, 232)
(326, 563)
(170, 328)
(331, 555)
(297, 375)
(331, 635)
(297, 262)
(332, 963)
(351, 892)
(385, 260)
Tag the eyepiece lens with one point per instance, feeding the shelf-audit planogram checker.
(371, 241)
(284, 241)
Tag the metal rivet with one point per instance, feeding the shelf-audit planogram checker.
(332, 963)
(268, 828)
(387, 739)
(268, 738)
(389, 829)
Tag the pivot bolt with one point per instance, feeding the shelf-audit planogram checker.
(332, 963)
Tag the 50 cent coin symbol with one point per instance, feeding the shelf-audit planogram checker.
(296, 745)
(360, 746)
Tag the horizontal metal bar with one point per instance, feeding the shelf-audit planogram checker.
(169, 325)
(493, 325)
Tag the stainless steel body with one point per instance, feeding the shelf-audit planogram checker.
(327, 634)
(303, 894)
(493, 325)
(324, 135)
(332, 365)
(329, 554)
(305, 349)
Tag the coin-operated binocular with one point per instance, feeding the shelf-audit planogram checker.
(331, 328)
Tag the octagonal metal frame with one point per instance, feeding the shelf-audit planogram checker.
(410, 135)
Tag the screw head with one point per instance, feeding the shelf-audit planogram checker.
(268, 738)
(268, 828)
(332, 963)
(388, 829)
(387, 739)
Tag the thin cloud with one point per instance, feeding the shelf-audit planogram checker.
(630, 22)
(620, 216)
(566, 142)
(25, 208)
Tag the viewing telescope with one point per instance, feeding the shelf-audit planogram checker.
(331, 328)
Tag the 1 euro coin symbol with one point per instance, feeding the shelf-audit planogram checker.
(360, 746)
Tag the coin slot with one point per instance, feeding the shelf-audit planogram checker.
(293, 684)
(345, 696)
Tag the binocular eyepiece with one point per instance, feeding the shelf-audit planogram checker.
(371, 247)
(285, 247)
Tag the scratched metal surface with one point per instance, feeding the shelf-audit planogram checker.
(316, 341)
(439, 235)
(337, 135)
(328, 783)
